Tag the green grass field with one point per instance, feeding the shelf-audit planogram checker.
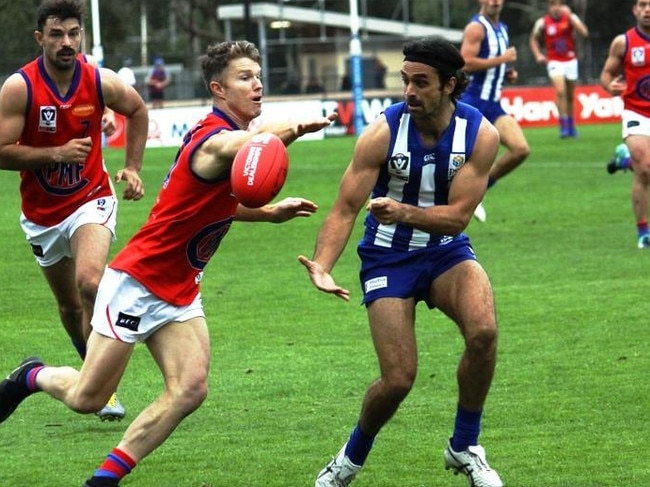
(290, 365)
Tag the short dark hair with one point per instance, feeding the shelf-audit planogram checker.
(441, 55)
(60, 9)
(217, 57)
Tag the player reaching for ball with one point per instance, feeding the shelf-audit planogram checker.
(150, 290)
(425, 164)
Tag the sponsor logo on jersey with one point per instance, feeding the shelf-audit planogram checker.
(643, 88)
(83, 110)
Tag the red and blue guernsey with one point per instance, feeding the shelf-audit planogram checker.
(187, 223)
(486, 85)
(418, 175)
(636, 62)
(558, 38)
(52, 193)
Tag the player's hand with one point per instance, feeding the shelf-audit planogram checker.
(322, 280)
(134, 187)
(617, 86)
(289, 208)
(74, 151)
(512, 75)
(315, 125)
(108, 123)
(510, 55)
(387, 211)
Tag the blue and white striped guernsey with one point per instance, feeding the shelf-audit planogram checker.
(487, 84)
(419, 175)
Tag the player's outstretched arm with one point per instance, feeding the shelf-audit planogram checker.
(322, 280)
(280, 212)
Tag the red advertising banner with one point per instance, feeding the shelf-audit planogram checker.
(535, 107)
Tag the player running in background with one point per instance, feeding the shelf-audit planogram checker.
(486, 51)
(625, 73)
(50, 130)
(558, 28)
(425, 163)
(150, 291)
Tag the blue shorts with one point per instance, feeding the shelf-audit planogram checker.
(388, 274)
(490, 109)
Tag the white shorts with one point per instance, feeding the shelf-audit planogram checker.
(565, 69)
(127, 311)
(635, 124)
(51, 244)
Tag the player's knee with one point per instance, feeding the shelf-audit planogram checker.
(189, 395)
(521, 151)
(482, 339)
(86, 403)
(70, 312)
(399, 382)
(87, 285)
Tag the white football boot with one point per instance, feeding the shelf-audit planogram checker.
(472, 463)
(338, 473)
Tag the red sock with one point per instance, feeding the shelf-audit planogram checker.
(116, 465)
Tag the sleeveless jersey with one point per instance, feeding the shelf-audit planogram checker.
(419, 175)
(52, 193)
(636, 69)
(189, 219)
(487, 84)
(558, 38)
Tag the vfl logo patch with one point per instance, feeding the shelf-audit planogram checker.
(127, 321)
(399, 166)
(376, 283)
(456, 161)
(638, 56)
(47, 119)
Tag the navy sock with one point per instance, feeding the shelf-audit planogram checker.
(359, 446)
(466, 429)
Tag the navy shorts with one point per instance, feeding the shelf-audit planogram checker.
(490, 109)
(388, 274)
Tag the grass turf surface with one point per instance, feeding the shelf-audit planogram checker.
(290, 365)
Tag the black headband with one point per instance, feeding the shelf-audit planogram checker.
(441, 66)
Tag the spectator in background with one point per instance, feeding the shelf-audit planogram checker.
(291, 86)
(346, 81)
(126, 73)
(314, 86)
(380, 74)
(157, 80)
(558, 28)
